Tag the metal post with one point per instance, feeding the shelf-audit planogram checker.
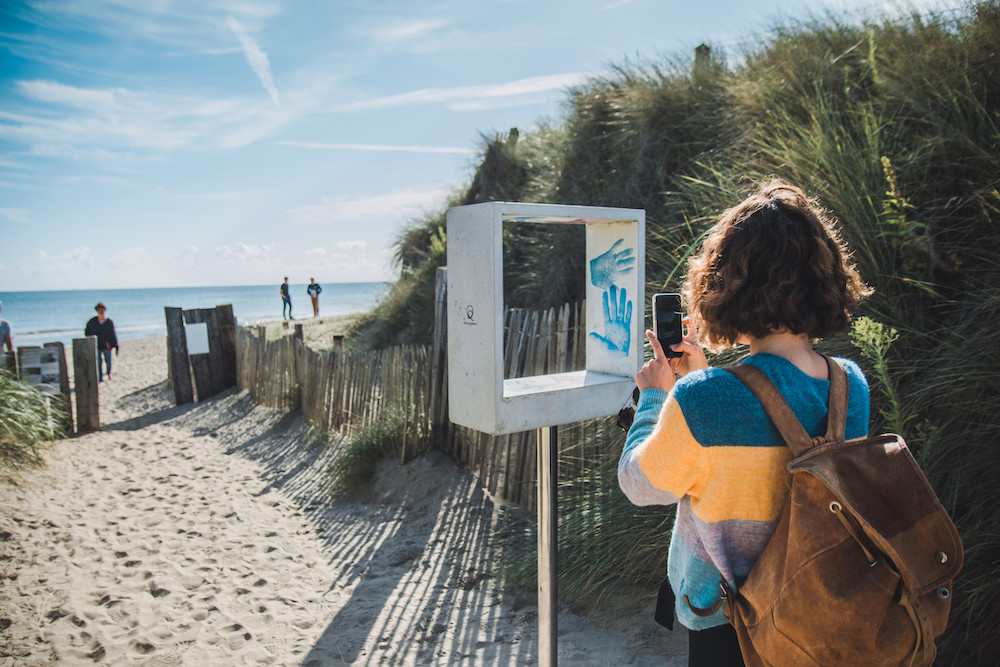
(548, 567)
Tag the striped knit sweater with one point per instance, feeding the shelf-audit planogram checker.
(709, 447)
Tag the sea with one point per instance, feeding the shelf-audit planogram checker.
(60, 316)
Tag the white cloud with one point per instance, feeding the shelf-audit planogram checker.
(352, 261)
(79, 255)
(392, 206)
(19, 215)
(487, 104)
(225, 196)
(407, 31)
(244, 252)
(374, 147)
(90, 178)
(316, 252)
(181, 24)
(130, 257)
(465, 95)
(256, 58)
(113, 124)
(81, 98)
(187, 253)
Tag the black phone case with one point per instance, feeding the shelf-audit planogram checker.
(673, 337)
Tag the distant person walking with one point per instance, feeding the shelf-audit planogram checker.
(313, 290)
(286, 300)
(104, 329)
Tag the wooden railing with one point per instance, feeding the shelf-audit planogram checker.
(341, 391)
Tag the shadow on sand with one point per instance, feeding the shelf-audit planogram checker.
(414, 555)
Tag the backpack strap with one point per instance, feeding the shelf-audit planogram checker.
(781, 414)
(836, 424)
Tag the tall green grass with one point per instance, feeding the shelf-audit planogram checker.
(26, 427)
(894, 125)
(355, 465)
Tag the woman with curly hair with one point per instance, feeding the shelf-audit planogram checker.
(774, 275)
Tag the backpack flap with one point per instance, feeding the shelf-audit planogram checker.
(881, 485)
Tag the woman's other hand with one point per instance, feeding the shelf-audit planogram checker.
(693, 358)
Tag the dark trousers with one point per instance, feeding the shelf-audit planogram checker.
(714, 647)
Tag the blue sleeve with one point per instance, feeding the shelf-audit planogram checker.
(646, 414)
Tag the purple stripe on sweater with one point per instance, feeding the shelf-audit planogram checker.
(733, 545)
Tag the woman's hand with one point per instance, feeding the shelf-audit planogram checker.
(661, 372)
(694, 357)
(658, 372)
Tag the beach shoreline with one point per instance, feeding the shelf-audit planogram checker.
(204, 534)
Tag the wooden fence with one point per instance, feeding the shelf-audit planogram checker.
(340, 391)
(536, 342)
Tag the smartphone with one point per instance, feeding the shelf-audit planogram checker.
(667, 316)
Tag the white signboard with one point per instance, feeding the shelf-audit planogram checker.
(197, 337)
(40, 366)
(479, 396)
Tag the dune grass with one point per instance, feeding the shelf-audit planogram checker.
(893, 124)
(25, 425)
(354, 468)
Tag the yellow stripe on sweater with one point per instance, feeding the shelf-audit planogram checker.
(671, 458)
(723, 482)
(747, 483)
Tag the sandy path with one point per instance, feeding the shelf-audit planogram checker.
(202, 535)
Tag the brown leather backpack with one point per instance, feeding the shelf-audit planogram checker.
(860, 568)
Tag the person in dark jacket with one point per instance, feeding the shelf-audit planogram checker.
(286, 300)
(104, 329)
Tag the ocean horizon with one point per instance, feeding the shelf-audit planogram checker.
(39, 317)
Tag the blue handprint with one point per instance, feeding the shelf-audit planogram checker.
(617, 322)
(607, 268)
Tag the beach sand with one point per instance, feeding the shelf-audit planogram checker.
(204, 535)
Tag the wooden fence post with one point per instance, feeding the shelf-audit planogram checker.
(216, 358)
(201, 368)
(88, 413)
(227, 331)
(298, 367)
(21, 349)
(177, 356)
(438, 408)
(65, 402)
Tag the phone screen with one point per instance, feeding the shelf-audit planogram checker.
(667, 316)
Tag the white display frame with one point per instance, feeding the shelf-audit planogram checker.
(479, 396)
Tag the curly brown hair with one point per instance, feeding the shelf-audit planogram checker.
(774, 263)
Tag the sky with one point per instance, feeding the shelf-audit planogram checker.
(174, 143)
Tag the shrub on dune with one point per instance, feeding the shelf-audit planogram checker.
(25, 424)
